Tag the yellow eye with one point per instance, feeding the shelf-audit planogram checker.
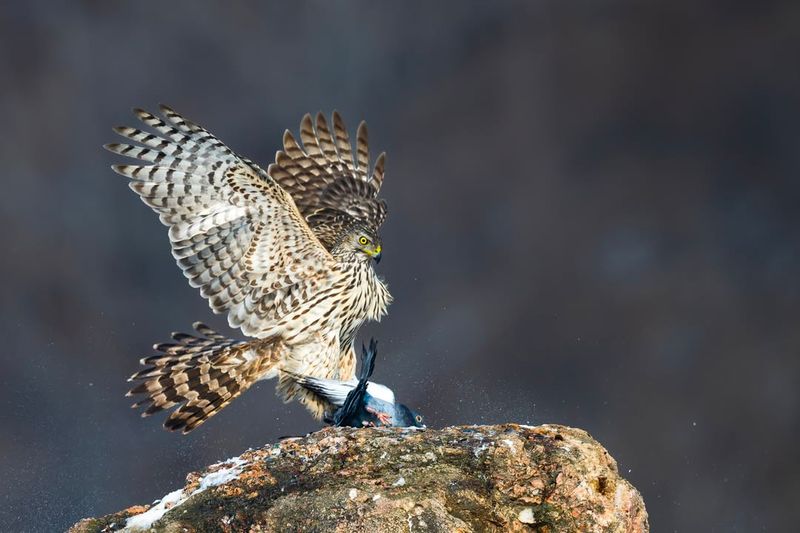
(418, 419)
(362, 240)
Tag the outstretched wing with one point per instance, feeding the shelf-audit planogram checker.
(235, 233)
(332, 190)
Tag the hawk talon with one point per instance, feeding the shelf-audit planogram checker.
(383, 418)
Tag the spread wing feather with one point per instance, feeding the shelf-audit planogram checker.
(332, 189)
(234, 231)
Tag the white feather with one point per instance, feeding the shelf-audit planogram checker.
(336, 391)
(381, 392)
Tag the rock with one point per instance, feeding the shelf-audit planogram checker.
(470, 478)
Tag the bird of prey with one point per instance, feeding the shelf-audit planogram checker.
(286, 253)
(362, 402)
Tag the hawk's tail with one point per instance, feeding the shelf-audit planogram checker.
(202, 374)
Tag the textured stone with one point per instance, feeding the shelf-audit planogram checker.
(470, 478)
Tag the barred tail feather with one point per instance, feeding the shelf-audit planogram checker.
(202, 374)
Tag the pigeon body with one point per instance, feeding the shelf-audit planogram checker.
(362, 403)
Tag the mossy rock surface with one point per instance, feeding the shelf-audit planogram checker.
(468, 478)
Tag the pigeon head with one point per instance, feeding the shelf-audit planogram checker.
(408, 417)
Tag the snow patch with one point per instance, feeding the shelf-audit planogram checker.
(222, 476)
(145, 520)
(526, 516)
(511, 445)
(480, 449)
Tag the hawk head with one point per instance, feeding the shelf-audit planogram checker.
(358, 243)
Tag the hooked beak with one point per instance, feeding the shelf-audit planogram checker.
(377, 255)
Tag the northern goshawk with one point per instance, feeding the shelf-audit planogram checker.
(287, 253)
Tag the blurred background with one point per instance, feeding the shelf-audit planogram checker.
(593, 222)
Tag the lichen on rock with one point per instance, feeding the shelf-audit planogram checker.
(468, 478)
